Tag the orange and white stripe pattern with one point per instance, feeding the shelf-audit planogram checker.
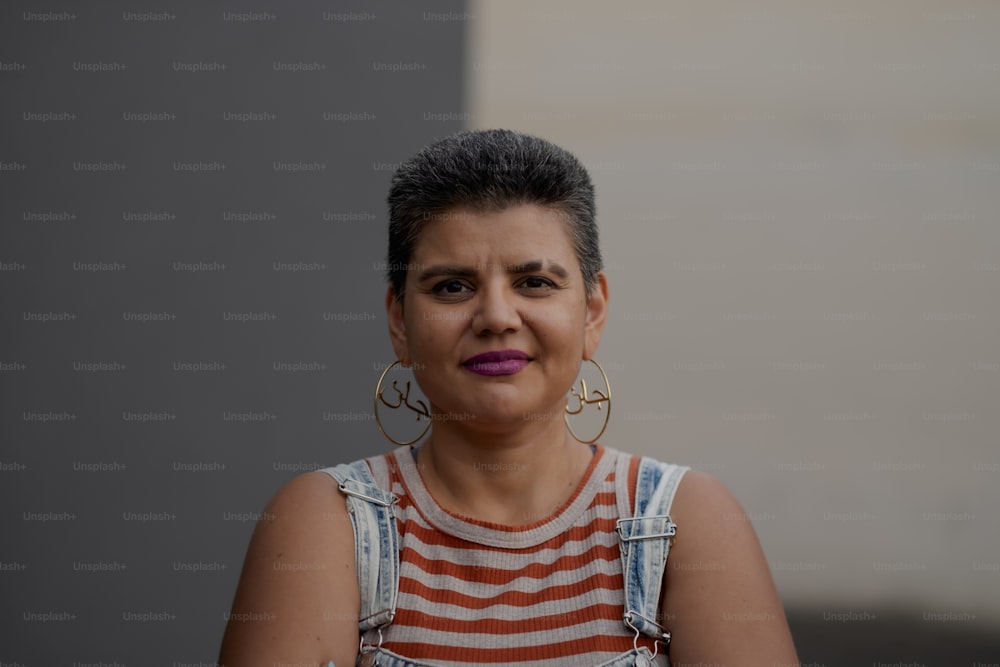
(549, 593)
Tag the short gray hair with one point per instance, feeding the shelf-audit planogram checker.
(489, 171)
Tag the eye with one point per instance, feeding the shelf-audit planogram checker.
(537, 282)
(449, 287)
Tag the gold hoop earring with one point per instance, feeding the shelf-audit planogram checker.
(582, 400)
(403, 398)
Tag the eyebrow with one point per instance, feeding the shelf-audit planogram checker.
(438, 270)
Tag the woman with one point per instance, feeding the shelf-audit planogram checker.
(515, 542)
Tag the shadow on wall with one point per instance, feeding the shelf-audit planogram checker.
(892, 638)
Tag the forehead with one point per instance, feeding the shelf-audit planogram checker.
(525, 229)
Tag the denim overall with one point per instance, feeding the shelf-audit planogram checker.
(644, 539)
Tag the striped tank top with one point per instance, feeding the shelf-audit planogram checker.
(549, 593)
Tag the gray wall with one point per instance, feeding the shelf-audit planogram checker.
(136, 452)
(798, 208)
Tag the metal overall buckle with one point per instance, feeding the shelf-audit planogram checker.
(367, 653)
(641, 660)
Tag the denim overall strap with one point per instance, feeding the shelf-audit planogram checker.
(376, 543)
(645, 542)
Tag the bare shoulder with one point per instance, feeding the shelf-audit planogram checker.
(720, 602)
(297, 601)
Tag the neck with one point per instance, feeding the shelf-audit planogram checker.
(514, 478)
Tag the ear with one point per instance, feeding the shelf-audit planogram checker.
(597, 315)
(397, 326)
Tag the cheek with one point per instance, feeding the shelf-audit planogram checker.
(431, 341)
(564, 341)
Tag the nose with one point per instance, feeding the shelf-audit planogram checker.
(496, 311)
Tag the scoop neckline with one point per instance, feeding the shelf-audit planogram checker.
(500, 535)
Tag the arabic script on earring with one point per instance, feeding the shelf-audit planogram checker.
(400, 398)
(583, 398)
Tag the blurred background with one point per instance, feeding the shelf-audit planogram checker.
(798, 207)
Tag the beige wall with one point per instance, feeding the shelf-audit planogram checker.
(798, 204)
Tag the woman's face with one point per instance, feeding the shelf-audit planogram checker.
(495, 318)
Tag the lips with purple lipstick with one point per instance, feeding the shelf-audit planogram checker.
(500, 362)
